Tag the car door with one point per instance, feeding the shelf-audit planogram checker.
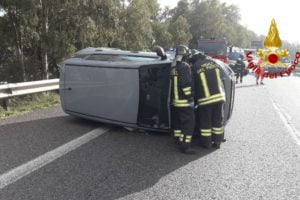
(154, 110)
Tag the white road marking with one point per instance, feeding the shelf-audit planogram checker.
(285, 118)
(27, 168)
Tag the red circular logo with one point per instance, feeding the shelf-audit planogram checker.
(273, 58)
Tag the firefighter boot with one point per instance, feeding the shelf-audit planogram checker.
(186, 148)
(205, 146)
(176, 141)
(205, 142)
(216, 145)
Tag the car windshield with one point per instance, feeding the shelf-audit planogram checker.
(234, 56)
(213, 48)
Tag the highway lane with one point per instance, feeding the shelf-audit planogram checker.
(285, 93)
(26, 137)
(260, 160)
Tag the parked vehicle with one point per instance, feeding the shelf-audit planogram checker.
(252, 51)
(125, 88)
(278, 68)
(216, 49)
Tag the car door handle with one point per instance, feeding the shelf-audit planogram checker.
(67, 88)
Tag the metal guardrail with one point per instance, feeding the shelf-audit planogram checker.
(17, 89)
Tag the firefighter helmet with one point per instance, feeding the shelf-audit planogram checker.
(182, 53)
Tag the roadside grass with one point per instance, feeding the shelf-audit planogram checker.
(29, 103)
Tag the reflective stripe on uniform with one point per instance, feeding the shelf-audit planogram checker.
(211, 97)
(180, 101)
(181, 105)
(205, 132)
(188, 138)
(181, 138)
(212, 101)
(220, 84)
(204, 84)
(188, 93)
(176, 87)
(187, 89)
(218, 131)
(177, 133)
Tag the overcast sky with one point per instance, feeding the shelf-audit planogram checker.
(257, 15)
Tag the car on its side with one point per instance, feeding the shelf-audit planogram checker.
(125, 88)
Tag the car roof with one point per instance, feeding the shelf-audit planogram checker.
(113, 58)
(105, 50)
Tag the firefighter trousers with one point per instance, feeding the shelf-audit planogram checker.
(211, 123)
(239, 75)
(183, 123)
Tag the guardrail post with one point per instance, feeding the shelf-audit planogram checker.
(5, 104)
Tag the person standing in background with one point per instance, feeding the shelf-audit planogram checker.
(261, 65)
(240, 69)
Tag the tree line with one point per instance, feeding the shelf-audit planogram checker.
(36, 35)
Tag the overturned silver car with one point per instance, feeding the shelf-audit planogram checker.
(125, 88)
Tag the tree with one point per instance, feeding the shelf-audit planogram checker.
(16, 24)
(180, 31)
(138, 25)
(36, 35)
(182, 9)
(161, 35)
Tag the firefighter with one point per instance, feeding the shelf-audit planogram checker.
(183, 110)
(210, 97)
(240, 68)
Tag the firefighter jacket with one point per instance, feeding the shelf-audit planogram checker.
(240, 66)
(209, 88)
(182, 91)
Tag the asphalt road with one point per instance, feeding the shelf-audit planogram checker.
(260, 160)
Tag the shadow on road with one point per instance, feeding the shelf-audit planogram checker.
(116, 164)
(121, 163)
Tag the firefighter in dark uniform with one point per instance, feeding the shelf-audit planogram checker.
(240, 68)
(210, 97)
(183, 109)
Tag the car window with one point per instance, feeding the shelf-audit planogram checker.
(103, 57)
(118, 58)
(233, 55)
(138, 58)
